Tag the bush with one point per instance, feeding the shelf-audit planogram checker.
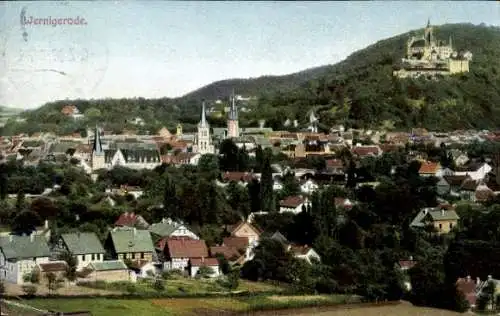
(233, 279)
(29, 290)
(159, 285)
(131, 288)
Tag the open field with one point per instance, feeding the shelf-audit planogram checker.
(403, 309)
(181, 285)
(224, 307)
(180, 307)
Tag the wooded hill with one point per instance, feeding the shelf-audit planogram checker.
(359, 92)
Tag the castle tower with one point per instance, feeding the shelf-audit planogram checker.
(203, 139)
(233, 129)
(178, 132)
(97, 160)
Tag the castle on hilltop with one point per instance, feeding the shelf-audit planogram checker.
(427, 56)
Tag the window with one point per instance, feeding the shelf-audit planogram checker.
(133, 256)
(451, 225)
(93, 257)
(440, 226)
(142, 255)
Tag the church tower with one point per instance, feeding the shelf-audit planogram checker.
(429, 35)
(203, 139)
(233, 129)
(97, 160)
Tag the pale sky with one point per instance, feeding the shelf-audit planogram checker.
(158, 49)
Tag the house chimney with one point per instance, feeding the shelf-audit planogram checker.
(442, 212)
(468, 278)
(478, 280)
(490, 277)
(46, 224)
(32, 237)
(135, 231)
(11, 238)
(411, 258)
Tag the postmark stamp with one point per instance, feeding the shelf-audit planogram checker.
(57, 51)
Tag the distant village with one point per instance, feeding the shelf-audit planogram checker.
(170, 245)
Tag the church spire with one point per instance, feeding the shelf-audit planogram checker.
(233, 110)
(97, 146)
(429, 22)
(203, 122)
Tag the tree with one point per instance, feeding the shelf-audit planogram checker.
(29, 290)
(25, 222)
(228, 153)
(205, 272)
(159, 285)
(233, 279)
(71, 261)
(266, 186)
(53, 283)
(170, 199)
(208, 165)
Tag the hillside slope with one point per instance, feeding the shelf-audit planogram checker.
(255, 86)
(359, 91)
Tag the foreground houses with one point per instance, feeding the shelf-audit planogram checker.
(443, 220)
(20, 254)
(86, 247)
(126, 243)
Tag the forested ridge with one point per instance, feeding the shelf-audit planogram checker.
(358, 92)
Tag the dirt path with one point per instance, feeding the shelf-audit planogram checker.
(16, 290)
(401, 309)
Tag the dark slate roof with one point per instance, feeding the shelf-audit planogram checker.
(134, 155)
(127, 240)
(82, 243)
(20, 247)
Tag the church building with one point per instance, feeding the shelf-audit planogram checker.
(203, 144)
(233, 129)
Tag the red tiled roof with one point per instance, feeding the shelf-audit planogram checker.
(236, 242)
(234, 228)
(230, 253)
(237, 176)
(429, 168)
(53, 266)
(334, 163)
(138, 264)
(407, 264)
(468, 288)
(68, 109)
(186, 248)
(484, 194)
(389, 147)
(292, 201)
(342, 202)
(127, 219)
(162, 242)
(197, 262)
(366, 150)
(300, 249)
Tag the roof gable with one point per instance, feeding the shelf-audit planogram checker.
(82, 243)
(21, 247)
(127, 240)
(245, 228)
(186, 248)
